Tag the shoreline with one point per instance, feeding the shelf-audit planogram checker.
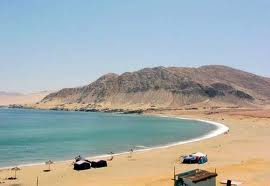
(238, 155)
(221, 129)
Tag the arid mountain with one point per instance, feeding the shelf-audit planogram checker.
(160, 87)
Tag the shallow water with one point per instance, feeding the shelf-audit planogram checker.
(31, 136)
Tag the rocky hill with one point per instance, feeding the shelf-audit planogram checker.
(160, 87)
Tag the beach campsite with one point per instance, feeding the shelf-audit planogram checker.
(134, 93)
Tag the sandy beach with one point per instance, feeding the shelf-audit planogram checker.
(134, 93)
(242, 155)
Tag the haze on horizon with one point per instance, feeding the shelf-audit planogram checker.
(50, 45)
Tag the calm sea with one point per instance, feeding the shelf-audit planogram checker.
(33, 136)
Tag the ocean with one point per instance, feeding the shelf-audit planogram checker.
(34, 136)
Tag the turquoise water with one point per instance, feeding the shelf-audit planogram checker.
(32, 136)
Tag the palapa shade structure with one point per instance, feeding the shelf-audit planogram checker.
(15, 169)
(49, 164)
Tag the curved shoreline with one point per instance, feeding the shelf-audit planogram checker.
(221, 129)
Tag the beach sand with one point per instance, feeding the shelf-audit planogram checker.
(242, 154)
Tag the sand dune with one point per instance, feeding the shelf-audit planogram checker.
(8, 99)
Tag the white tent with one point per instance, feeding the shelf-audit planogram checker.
(199, 154)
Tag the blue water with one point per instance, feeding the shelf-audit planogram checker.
(31, 136)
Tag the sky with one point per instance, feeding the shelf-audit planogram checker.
(52, 44)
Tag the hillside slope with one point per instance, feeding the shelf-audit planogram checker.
(161, 87)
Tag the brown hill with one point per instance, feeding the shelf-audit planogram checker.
(161, 87)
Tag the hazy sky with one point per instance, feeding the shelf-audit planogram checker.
(53, 44)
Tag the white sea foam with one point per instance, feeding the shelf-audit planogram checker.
(141, 147)
(221, 129)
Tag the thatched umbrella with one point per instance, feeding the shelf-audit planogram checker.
(49, 163)
(15, 169)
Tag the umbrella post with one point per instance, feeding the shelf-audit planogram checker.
(49, 165)
(15, 169)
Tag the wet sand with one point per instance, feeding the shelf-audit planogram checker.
(242, 154)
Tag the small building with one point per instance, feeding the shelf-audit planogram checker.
(195, 177)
